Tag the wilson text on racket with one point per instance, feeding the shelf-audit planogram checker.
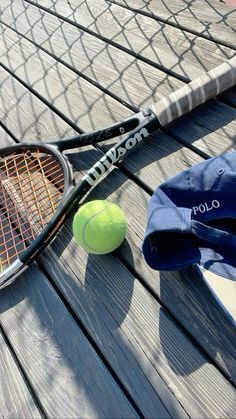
(113, 156)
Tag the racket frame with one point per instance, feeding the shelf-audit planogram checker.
(141, 125)
(146, 123)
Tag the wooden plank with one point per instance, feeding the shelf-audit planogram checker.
(156, 404)
(155, 42)
(129, 325)
(25, 115)
(139, 218)
(224, 288)
(28, 118)
(148, 172)
(5, 139)
(181, 292)
(168, 172)
(77, 99)
(152, 400)
(66, 373)
(131, 80)
(210, 129)
(16, 398)
(213, 20)
(36, 296)
(62, 360)
(95, 13)
(123, 316)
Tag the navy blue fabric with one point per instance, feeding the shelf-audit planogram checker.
(192, 219)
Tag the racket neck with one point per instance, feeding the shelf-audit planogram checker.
(98, 136)
(148, 124)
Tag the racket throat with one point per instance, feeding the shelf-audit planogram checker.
(101, 135)
(119, 151)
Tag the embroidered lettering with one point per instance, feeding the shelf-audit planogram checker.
(206, 206)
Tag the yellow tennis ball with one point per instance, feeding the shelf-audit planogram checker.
(99, 226)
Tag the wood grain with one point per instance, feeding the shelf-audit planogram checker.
(211, 19)
(15, 395)
(25, 115)
(131, 80)
(63, 368)
(210, 129)
(5, 139)
(181, 292)
(143, 163)
(156, 403)
(118, 307)
(161, 333)
(136, 230)
(169, 48)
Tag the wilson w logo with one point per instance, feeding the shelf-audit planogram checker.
(113, 156)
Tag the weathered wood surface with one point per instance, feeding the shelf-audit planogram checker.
(67, 375)
(209, 19)
(107, 336)
(92, 58)
(178, 52)
(16, 399)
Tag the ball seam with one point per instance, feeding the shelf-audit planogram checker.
(83, 231)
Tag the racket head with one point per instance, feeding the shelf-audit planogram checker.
(34, 183)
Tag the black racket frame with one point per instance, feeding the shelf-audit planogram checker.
(74, 193)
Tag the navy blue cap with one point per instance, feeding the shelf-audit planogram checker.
(192, 219)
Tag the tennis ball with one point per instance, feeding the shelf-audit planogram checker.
(99, 226)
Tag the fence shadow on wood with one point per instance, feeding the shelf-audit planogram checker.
(73, 66)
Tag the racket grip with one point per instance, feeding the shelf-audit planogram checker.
(196, 92)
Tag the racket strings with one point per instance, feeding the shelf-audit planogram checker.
(31, 188)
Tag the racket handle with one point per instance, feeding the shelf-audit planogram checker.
(196, 92)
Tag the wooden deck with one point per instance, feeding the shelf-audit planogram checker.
(105, 336)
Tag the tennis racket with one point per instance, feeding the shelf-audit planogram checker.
(37, 191)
